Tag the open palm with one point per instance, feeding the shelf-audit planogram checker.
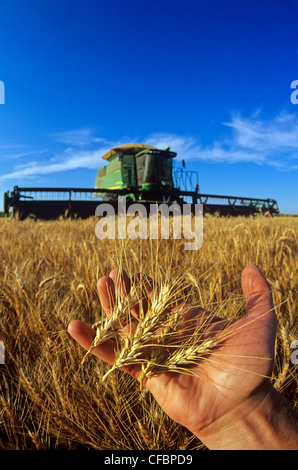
(234, 372)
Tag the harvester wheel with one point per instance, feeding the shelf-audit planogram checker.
(6, 202)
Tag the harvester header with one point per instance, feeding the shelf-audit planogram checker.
(140, 172)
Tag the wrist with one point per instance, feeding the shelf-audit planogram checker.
(264, 421)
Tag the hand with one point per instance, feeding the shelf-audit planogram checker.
(228, 385)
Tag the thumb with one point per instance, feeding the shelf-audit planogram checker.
(258, 295)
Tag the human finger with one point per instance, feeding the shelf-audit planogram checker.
(143, 286)
(106, 293)
(257, 292)
(121, 281)
(84, 335)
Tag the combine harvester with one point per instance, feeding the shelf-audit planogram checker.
(142, 174)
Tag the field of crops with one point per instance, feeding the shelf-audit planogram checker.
(48, 277)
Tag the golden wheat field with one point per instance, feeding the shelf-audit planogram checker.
(48, 276)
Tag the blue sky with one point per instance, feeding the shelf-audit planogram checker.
(210, 78)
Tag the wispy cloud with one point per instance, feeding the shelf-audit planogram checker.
(67, 161)
(78, 137)
(15, 156)
(9, 146)
(264, 142)
(71, 158)
(270, 142)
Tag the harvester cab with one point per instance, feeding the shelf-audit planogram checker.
(144, 172)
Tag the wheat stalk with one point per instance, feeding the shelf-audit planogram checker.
(109, 412)
(163, 341)
(110, 326)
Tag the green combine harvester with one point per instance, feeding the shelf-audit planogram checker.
(142, 174)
